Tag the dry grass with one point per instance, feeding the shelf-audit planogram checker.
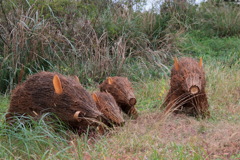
(205, 139)
(224, 91)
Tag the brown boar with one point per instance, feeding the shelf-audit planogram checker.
(108, 106)
(120, 88)
(187, 92)
(52, 92)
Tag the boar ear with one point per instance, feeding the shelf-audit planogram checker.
(200, 62)
(95, 97)
(110, 80)
(176, 65)
(76, 78)
(57, 85)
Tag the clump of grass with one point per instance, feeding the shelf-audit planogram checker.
(29, 139)
(151, 95)
(224, 90)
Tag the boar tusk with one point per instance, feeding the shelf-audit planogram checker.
(76, 114)
(35, 113)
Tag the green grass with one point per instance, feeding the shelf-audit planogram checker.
(148, 98)
(225, 50)
(3, 103)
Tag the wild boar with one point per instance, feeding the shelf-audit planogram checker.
(108, 106)
(120, 88)
(52, 92)
(187, 88)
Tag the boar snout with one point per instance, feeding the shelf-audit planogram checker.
(132, 101)
(194, 89)
(193, 84)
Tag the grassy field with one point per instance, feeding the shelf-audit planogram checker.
(150, 136)
(92, 41)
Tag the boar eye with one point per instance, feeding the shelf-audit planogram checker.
(200, 77)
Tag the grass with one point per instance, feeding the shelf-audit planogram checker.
(148, 137)
(226, 50)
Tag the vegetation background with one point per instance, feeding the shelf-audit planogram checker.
(94, 39)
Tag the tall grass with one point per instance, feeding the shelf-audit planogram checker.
(220, 19)
(33, 140)
(42, 36)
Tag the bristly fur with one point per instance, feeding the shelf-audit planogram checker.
(179, 100)
(108, 106)
(37, 96)
(120, 88)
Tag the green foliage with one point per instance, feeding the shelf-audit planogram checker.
(227, 49)
(3, 104)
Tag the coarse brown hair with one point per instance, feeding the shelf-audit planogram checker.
(52, 92)
(108, 106)
(121, 89)
(187, 88)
